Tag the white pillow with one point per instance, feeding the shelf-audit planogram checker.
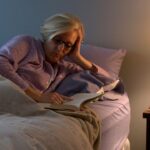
(108, 58)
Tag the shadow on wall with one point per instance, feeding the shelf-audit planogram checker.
(135, 71)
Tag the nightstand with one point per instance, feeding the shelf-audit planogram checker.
(146, 114)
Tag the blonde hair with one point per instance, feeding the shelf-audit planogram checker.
(60, 23)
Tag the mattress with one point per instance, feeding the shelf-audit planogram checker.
(126, 145)
(115, 121)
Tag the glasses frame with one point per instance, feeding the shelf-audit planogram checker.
(67, 46)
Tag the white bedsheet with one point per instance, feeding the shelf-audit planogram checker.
(115, 117)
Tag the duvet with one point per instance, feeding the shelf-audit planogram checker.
(25, 125)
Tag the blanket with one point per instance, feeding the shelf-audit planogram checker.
(25, 125)
(86, 82)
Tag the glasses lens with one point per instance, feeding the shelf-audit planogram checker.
(66, 45)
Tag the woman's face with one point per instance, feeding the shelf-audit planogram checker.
(60, 46)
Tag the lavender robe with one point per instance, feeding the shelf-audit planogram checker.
(22, 60)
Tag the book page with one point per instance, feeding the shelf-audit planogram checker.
(110, 86)
(80, 98)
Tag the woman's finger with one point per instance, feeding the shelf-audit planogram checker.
(58, 101)
(66, 98)
(55, 98)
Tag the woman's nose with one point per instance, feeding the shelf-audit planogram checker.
(61, 47)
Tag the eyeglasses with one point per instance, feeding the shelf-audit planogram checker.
(67, 46)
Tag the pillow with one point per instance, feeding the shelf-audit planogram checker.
(107, 58)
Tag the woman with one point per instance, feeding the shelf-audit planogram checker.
(37, 66)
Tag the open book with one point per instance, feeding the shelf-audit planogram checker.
(81, 98)
(76, 102)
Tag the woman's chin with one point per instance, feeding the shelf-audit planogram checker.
(55, 61)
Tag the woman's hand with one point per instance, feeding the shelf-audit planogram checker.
(53, 98)
(76, 56)
(75, 52)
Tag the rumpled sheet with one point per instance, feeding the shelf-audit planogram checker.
(25, 125)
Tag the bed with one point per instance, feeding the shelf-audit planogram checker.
(26, 125)
(115, 115)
